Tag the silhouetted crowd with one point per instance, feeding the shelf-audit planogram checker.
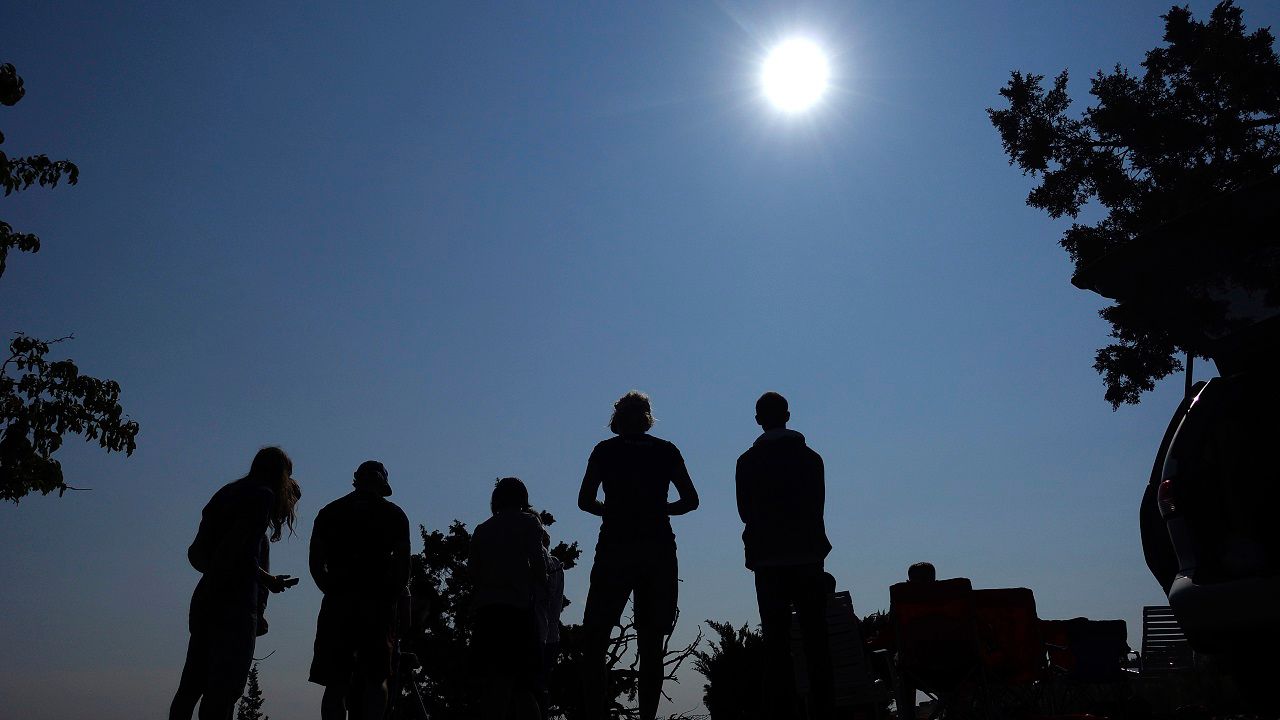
(360, 560)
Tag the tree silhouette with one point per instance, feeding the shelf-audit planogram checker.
(442, 592)
(734, 668)
(41, 400)
(250, 707)
(1201, 121)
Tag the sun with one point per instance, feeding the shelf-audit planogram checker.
(795, 74)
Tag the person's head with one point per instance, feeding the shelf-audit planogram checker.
(273, 469)
(922, 572)
(632, 414)
(372, 476)
(509, 494)
(771, 411)
(828, 583)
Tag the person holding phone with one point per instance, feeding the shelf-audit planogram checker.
(231, 551)
(360, 561)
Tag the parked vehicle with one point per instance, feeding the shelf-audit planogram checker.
(1212, 278)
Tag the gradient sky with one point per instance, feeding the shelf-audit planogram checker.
(449, 235)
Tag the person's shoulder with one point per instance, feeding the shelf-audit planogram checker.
(528, 520)
(394, 510)
(484, 527)
(607, 444)
(337, 506)
(664, 444)
(257, 495)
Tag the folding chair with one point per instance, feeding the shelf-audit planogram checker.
(855, 693)
(937, 645)
(1088, 657)
(1164, 645)
(1013, 651)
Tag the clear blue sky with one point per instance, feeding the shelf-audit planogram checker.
(449, 235)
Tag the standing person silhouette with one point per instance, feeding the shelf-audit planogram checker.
(636, 551)
(506, 564)
(232, 554)
(360, 561)
(781, 496)
(548, 603)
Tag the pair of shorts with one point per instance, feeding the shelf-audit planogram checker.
(505, 643)
(650, 576)
(354, 640)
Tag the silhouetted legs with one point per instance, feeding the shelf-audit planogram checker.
(506, 644)
(217, 666)
(777, 590)
(595, 670)
(339, 703)
(191, 684)
(651, 575)
(649, 645)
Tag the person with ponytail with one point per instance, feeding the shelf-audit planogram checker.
(232, 554)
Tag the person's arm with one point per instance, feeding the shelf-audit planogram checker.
(822, 487)
(534, 552)
(317, 557)
(741, 479)
(688, 501)
(400, 556)
(591, 480)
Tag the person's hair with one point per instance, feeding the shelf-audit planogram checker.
(922, 572)
(273, 469)
(772, 409)
(631, 414)
(509, 493)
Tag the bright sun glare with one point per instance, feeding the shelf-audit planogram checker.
(795, 75)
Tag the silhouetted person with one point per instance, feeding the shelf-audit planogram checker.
(360, 561)
(548, 603)
(231, 553)
(636, 551)
(781, 497)
(922, 572)
(506, 565)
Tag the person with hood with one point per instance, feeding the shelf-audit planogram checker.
(781, 496)
(360, 561)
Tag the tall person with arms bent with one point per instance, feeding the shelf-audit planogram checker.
(636, 551)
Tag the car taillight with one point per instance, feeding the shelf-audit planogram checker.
(1167, 498)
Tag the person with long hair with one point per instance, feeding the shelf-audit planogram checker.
(636, 550)
(231, 551)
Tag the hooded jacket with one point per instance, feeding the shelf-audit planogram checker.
(781, 497)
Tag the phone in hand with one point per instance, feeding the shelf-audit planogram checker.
(288, 581)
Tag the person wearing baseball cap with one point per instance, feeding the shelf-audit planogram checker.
(360, 561)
